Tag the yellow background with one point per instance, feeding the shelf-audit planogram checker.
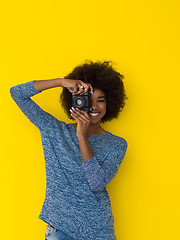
(46, 39)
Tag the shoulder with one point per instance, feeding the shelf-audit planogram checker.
(116, 138)
(117, 142)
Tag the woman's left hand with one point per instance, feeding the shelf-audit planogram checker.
(83, 121)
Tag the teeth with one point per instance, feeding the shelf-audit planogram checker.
(93, 114)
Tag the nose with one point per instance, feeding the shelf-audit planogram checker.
(93, 105)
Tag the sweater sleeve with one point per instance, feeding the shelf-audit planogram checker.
(100, 175)
(21, 95)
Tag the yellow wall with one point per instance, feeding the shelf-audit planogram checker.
(46, 39)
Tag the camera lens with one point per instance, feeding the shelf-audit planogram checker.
(79, 102)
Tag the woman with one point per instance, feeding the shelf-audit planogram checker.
(80, 158)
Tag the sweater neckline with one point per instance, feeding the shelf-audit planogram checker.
(95, 136)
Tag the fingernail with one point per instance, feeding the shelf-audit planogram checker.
(70, 110)
(77, 108)
(73, 108)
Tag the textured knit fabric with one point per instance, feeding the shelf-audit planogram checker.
(55, 234)
(76, 200)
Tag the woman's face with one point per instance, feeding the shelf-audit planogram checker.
(98, 105)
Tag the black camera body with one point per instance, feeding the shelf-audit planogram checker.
(83, 101)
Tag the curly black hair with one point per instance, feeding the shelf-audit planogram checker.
(103, 76)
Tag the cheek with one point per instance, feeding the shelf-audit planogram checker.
(104, 109)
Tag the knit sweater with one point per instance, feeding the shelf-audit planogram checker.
(76, 201)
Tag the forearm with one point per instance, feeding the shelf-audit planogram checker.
(85, 148)
(41, 85)
(94, 173)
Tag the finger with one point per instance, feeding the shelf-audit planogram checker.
(91, 88)
(81, 87)
(82, 113)
(82, 83)
(81, 90)
(86, 87)
(73, 89)
(75, 114)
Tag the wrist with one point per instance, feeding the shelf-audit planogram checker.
(81, 136)
(60, 82)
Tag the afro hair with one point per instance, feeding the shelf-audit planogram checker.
(103, 76)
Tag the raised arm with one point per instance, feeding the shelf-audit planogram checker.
(72, 85)
(42, 85)
(21, 95)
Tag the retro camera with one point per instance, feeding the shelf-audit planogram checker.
(82, 101)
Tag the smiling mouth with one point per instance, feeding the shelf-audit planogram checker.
(94, 114)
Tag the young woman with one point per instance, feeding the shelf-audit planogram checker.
(80, 158)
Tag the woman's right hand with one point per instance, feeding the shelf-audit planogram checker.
(74, 86)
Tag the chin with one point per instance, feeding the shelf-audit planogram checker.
(94, 121)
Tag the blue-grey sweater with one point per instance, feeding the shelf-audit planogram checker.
(76, 201)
